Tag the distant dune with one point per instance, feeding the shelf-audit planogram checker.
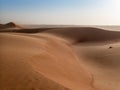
(9, 25)
(67, 58)
(75, 34)
(85, 34)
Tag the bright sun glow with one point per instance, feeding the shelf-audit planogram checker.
(114, 6)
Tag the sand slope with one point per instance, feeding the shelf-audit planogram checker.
(44, 62)
(93, 46)
(103, 62)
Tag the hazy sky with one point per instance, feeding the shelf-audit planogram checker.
(78, 12)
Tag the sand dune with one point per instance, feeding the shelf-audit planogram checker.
(93, 46)
(75, 58)
(86, 34)
(76, 34)
(47, 59)
(10, 25)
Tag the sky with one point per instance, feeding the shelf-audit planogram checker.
(61, 12)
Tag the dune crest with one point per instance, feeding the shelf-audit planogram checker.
(85, 34)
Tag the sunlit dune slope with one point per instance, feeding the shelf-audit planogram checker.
(40, 62)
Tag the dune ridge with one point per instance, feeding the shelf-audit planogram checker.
(86, 34)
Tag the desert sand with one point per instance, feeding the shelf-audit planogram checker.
(67, 58)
